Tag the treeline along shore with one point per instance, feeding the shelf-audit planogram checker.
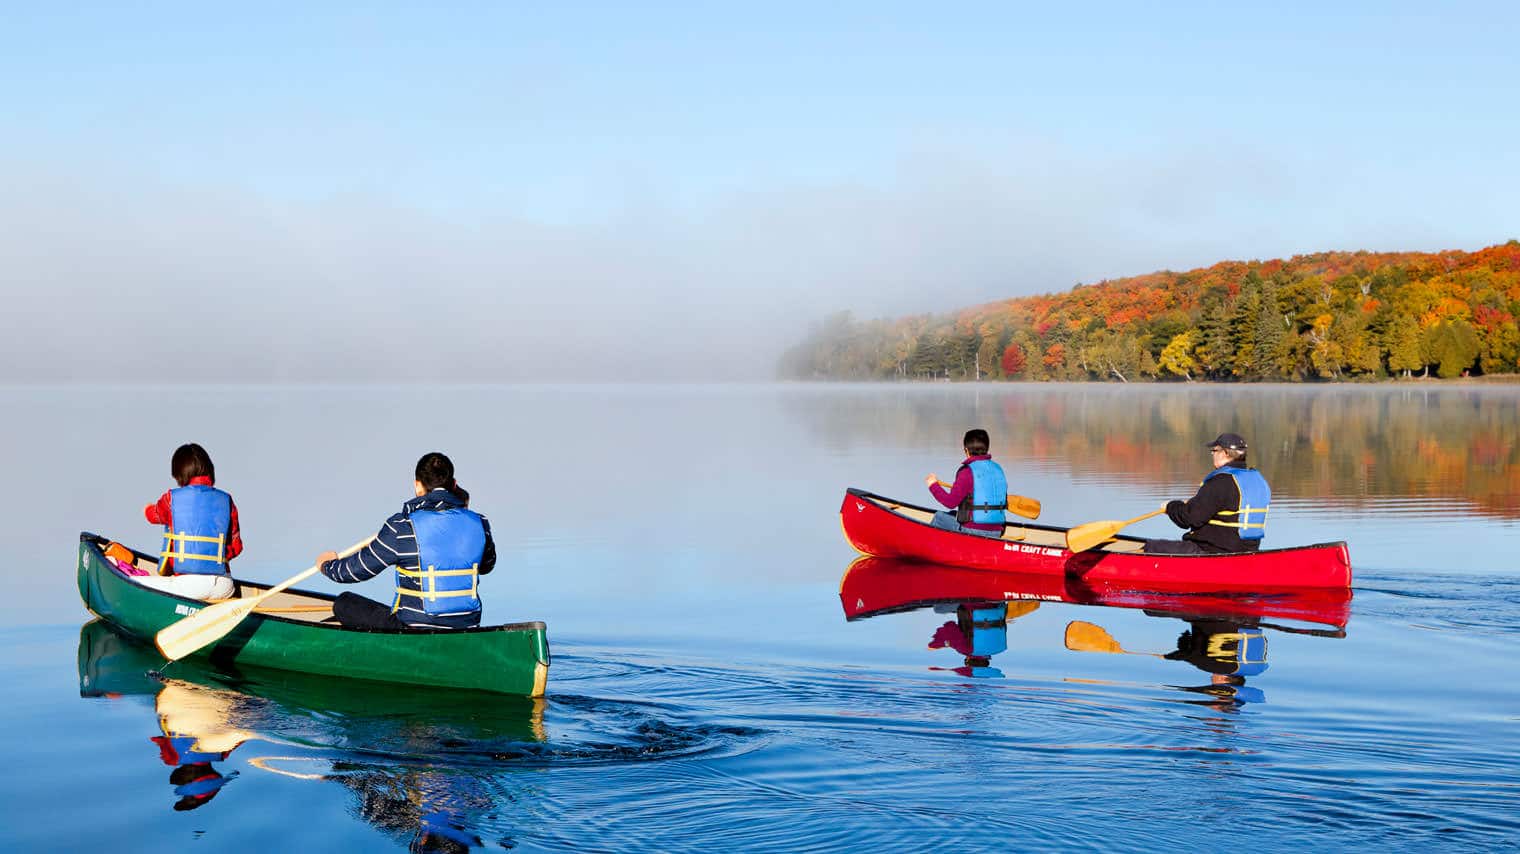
(1327, 316)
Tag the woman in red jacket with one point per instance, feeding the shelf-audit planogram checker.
(200, 530)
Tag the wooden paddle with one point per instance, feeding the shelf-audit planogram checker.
(1029, 508)
(1082, 636)
(213, 622)
(1083, 537)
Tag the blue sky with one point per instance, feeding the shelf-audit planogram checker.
(1104, 139)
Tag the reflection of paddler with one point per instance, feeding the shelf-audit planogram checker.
(202, 723)
(196, 733)
(196, 784)
(980, 631)
(1219, 647)
(1222, 648)
(204, 714)
(1228, 651)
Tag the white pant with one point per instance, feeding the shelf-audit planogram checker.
(190, 586)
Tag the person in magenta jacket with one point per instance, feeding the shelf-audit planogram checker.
(979, 495)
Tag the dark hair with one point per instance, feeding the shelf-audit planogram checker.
(976, 442)
(189, 462)
(435, 470)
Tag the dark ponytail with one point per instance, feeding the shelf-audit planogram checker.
(435, 470)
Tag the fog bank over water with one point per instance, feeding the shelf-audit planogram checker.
(112, 275)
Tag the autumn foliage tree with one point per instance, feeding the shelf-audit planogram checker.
(1326, 316)
(1013, 360)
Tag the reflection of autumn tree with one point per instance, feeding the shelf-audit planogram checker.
(1333, 315)
(1350, 443)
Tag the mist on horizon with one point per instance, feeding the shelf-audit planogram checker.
(489, 204)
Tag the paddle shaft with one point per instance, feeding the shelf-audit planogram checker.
(1156, 512)
(214, 622)
(309, 572)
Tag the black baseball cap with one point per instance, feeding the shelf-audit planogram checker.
(1229, 441)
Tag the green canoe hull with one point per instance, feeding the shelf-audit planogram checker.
(509, 659)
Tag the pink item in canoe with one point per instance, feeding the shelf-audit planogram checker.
(129, 569)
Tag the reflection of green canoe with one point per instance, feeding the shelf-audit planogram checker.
(509, 659)
(289, 704)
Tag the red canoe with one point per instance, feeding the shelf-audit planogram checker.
(875, 585)
(882, 527)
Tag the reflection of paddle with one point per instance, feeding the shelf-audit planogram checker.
(1021, 505)
(1083, 537)
(1082, 636)
(214, 622)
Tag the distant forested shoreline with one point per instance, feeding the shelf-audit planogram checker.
(1328, 316)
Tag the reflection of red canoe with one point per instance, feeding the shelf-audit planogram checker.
(885, 528)
(874, 585)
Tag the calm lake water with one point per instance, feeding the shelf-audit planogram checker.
(707, 689)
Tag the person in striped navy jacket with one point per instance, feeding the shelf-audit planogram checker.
(439, 548)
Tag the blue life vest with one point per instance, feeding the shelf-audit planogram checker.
(450, 545)
(201, 520)
(989, 493)
(1255, 497)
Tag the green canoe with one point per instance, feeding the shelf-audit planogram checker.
(508, 659)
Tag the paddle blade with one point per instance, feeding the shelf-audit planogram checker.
(1085, 637)
(1083, 537)
(1029, 508)
(206, 626)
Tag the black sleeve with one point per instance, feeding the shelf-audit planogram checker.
(1217, 493)
(488, 557)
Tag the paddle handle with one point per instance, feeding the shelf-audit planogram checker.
(1157, 512)
(297, 579)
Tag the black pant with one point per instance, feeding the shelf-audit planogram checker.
(355, 611)
(1163, 547)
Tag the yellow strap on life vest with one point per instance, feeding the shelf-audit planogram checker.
(1246, 511)
(427, 579)
(182, 538)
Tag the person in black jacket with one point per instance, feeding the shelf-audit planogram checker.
(1229, 512)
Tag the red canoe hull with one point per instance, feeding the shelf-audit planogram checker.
(873, 586)
(873, 527)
